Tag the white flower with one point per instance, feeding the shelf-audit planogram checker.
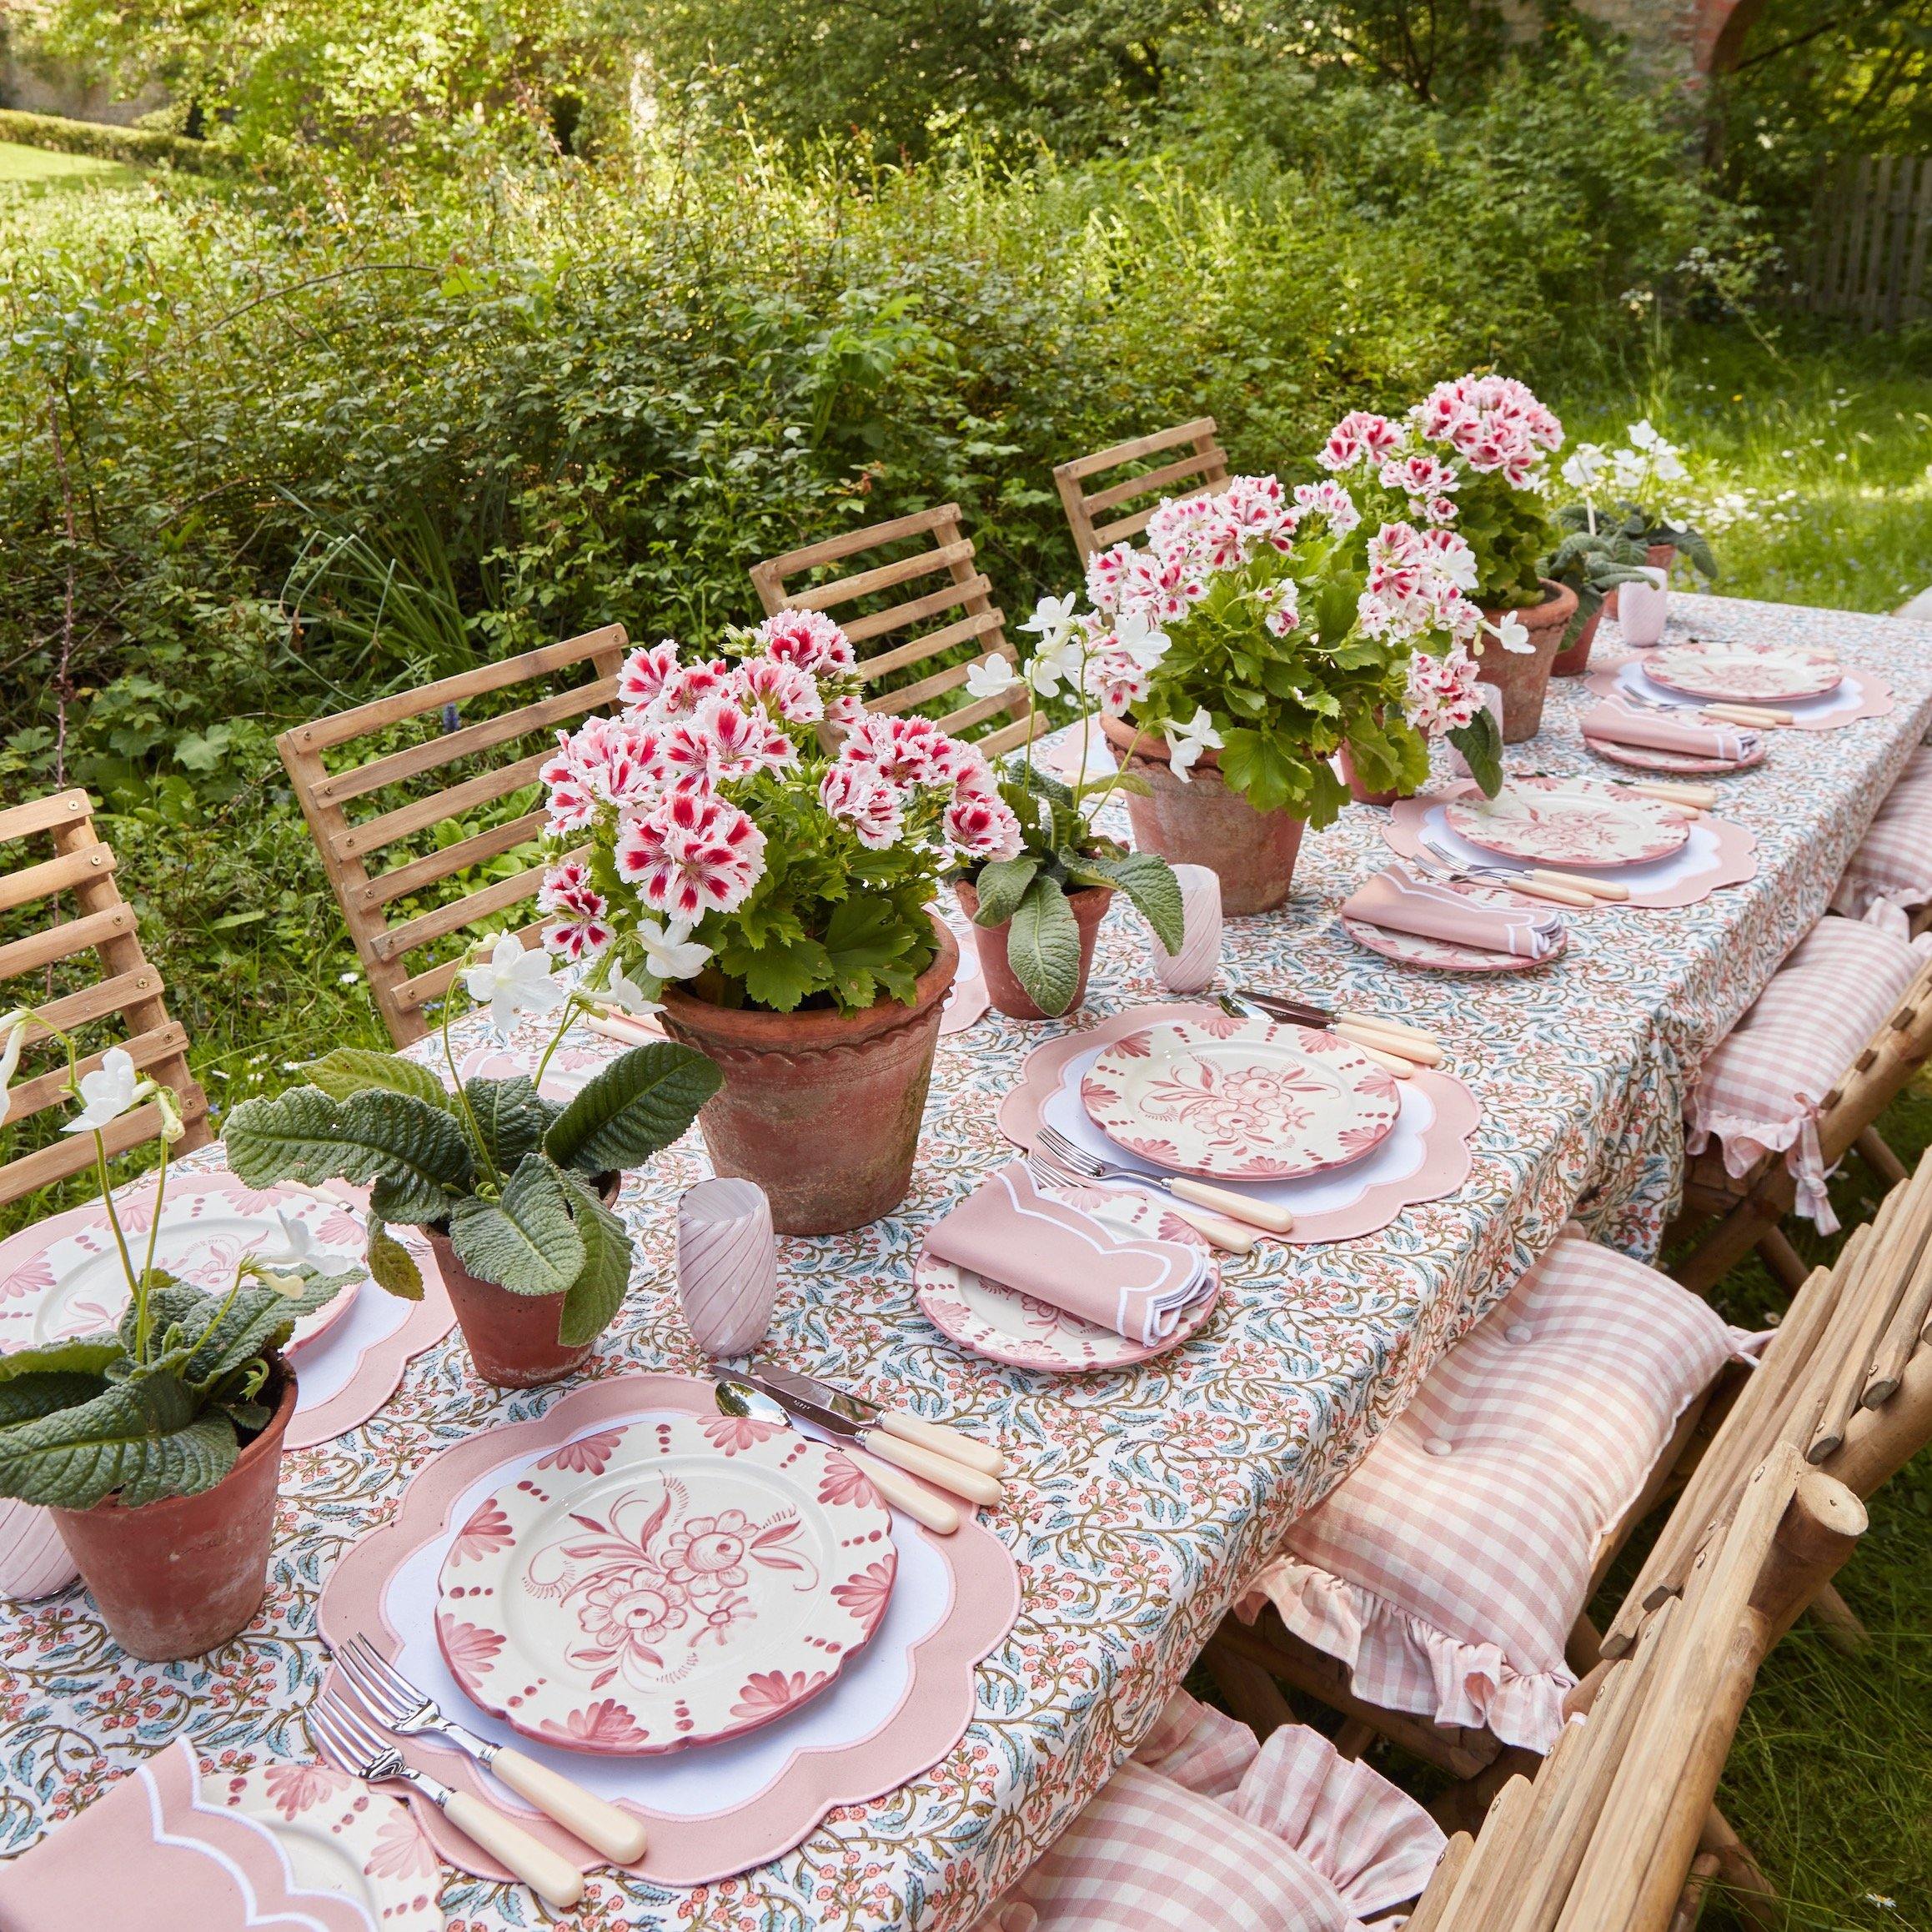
(1142, 640)
(296, 1234)
(668, 951)
(625, 993)
(1050, 665)
(990, 677)
(1513, 634)
(1641, 435)
(513, 980)
(1585, 467)
(15, 1024)
(107, 1092)
(1186, 742)
(1051, 619)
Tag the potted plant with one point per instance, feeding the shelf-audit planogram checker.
(1470, 456)
(158, 1445)
(1592, 563)
(1256, 636)
(513, 1190)
(1035, 914)
(1634, 482)
(773, 887)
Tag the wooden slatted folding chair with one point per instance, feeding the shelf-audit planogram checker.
(502, 752)
(928, 545)
(87, 970)
(1731, 1215)
(1202, 469)
(1613, 1832)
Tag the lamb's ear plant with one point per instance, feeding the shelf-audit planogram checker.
(163, 1404)
(512, 1177)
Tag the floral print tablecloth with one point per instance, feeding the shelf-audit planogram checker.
(1143, 1497)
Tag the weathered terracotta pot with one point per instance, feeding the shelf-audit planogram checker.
(512, 1338)
(1575, 662)
(1356, 789)
(1198, 822)
(820, 1111)
(1003, 987)
(1522, 677)
(176, 1578)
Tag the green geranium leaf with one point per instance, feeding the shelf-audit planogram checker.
(391, 1265)
(633, 1108)
(1043, 947)
(147, 1438)
(511, 1119)
(781, 972)
(347, 1070)
(1001, 885)
(591, 1303)
(1149, 881)
(376, 1134)
(527, 1241)
(864, 938)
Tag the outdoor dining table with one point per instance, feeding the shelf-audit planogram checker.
(1140, 1500)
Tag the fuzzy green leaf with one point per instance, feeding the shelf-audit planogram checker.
(346, 1070)
(527, 1241)
(78, 1355)
(1043, 947)
(1149, 881)
(375, 1135)
(633, 1107)
(591, 1304)
(392, 1267)
(1001, 885)
(147, 1437)
(40, 1394)
(1480, 741)
(510, 1118)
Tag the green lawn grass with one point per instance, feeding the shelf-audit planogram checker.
(43, 168)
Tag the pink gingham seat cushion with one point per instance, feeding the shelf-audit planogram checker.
(1894, 862)
(1447, 1570)
(1760, 1088)
(1205, 1830)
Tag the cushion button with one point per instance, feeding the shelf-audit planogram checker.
(1436, 1447)
(1519, 1332)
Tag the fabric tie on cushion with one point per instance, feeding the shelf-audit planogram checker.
(1894, 862)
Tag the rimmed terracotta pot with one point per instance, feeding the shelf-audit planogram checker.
(176, 1578)
(512, 1338)
(1345, 761)
(822, 1111)
(1003, 988)
(1522, 677)
(1198, 822)
(1575, 661)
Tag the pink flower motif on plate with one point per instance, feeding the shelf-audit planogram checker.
(401, 1851)
(845, 1482)
(588, 1454)
(486, 1531)
(867, 1594)
(35, 1278)
(732, 1433)
(605, 1725)
(466, 1647)
(293, 1788)
(767, 1693)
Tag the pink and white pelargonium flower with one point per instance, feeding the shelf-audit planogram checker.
(1474, 426)
(1443, 695)
(808, 639)
(689, 857)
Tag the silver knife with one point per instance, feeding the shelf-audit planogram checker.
(941, 1470)
(869, 1415)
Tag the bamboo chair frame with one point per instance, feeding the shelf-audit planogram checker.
(1203, 467)
(965, 589)
(129, 989)
(1733, 1215)
(348, 848)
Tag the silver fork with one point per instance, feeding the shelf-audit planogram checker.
(1445, 865)
(400, 1707)
(1062, 1153)
(376, 1760)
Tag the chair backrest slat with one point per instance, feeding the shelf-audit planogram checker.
(91, 929)
(942, 548)
(1202, 470)
(349, 847)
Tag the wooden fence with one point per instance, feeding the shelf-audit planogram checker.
(1870, 232)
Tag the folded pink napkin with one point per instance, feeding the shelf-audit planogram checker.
(1405, 901)
(1658, 731)
(152, 1851)
(1007, 1229)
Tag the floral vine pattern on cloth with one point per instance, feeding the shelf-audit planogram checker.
(1154, 1492)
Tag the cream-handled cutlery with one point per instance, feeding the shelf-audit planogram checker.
(935, 1437)
(398, 1706)
(1217, 1228)
(376, 1760)
(1082, 1166)
(1379, 1047)
(1409, 1043)
(1445, 865)
(736, 1397)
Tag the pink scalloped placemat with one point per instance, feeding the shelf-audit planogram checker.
(1426, 1158)
(1863, 693)
(852, 1759)
(1719, 853)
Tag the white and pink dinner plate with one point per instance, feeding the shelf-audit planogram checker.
(1254, 1101)
(1006, 1326)
(1568, 821)
(896, 1707)
(665, 1583)
(1740, 674)
(65, 1276)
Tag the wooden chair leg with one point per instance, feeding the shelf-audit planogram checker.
(1251, 1693)
(1738, 1869)
(1584, 1650)
(1877, 1156)
(1840, 1626)
(1354, 1738)
(1783, 1259)
(1704, 1867)
(1724, 1246)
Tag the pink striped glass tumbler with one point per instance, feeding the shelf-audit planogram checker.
(727, 1264)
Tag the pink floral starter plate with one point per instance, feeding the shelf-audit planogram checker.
(1006, 1326)
(1737, 673)
(668, 1582)
(1651, 758)
(1441, 954)
(1243, 1099)
(341, 1838)
(1567, 821)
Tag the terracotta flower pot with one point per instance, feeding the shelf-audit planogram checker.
(1656, 557)
(822, 1111)
(176, 1578)
(1356, 789)
(1575, 662)
(1198, 822)
(512, 1338)
(1003, 987)
(1522, 677)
